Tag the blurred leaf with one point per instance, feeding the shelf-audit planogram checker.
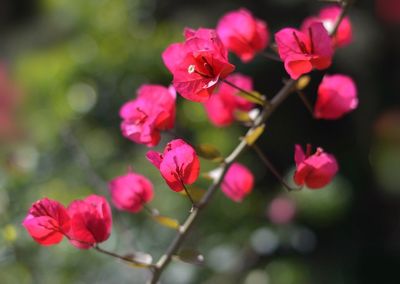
(242, 116)
(196, 193)
(190, 256)
(303, 82)
(254, 97)
(167, 221)
(253, 136)
(209, 152)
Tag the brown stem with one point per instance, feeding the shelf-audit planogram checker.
(243, 91)
(124, 258)
(271, 56)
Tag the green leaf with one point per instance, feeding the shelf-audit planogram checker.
(190, 256)
(209, 152)
(254, 97)
(167, 221)
(254, 135)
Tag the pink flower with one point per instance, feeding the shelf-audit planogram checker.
(303, 51)
(281, 210)
(131, 191)
(315, 171)
(238, 182)
(90, 221)
(178, 164)
(47, 222)
(222, 105)
(243, 34)
(197, 64)
(337, 95)
(151, 112)
(328, 17)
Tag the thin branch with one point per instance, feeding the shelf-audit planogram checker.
(124, 258)
(271, 167)
(242, 90)
(306, 102)
(271, 56)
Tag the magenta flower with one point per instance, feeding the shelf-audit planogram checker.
(337, 95)
(47, 222)
(131, 191)
(328, 17)
(243, 34)
(222, 105)
(151, 112)
(316, 170)
(238, 182)
(197, 64)
(179, 164)
(302, 51)
(91, 221)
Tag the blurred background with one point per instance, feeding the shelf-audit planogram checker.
(67, 66)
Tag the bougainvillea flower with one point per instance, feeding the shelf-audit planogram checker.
(243, 34)
(197, 64)
(151, 112)
(328, 17)
(238, 182)
(302, 51)
(337, 95)
(179, 164)
(281, 210)
(316, 170)
(222, 105)
(47, 222)
(91, 221)
(131, 191)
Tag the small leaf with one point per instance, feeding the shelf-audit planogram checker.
(253, 135)
(209, 152)
(167, 221)
(143, 259)
(254, 97)
(190, 256)
(196, 193)
(242, 116)
(303, 82)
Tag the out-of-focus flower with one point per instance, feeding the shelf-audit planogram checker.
(281, 210)
(238, 182)
(243, 34)
(314, 170)
(178, 165)
(131, 191)
(302, 51)
(337, 95)
(91, 221)
(328, 17)
(222, 105)
(151, 112)
(388, 10)
(197, 64)
(47, 222)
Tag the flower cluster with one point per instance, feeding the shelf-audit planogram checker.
(84, 222)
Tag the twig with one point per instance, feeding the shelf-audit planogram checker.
(271, 167)
(271, 56)
(306, 102)
(243, 91)
(124, 258)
